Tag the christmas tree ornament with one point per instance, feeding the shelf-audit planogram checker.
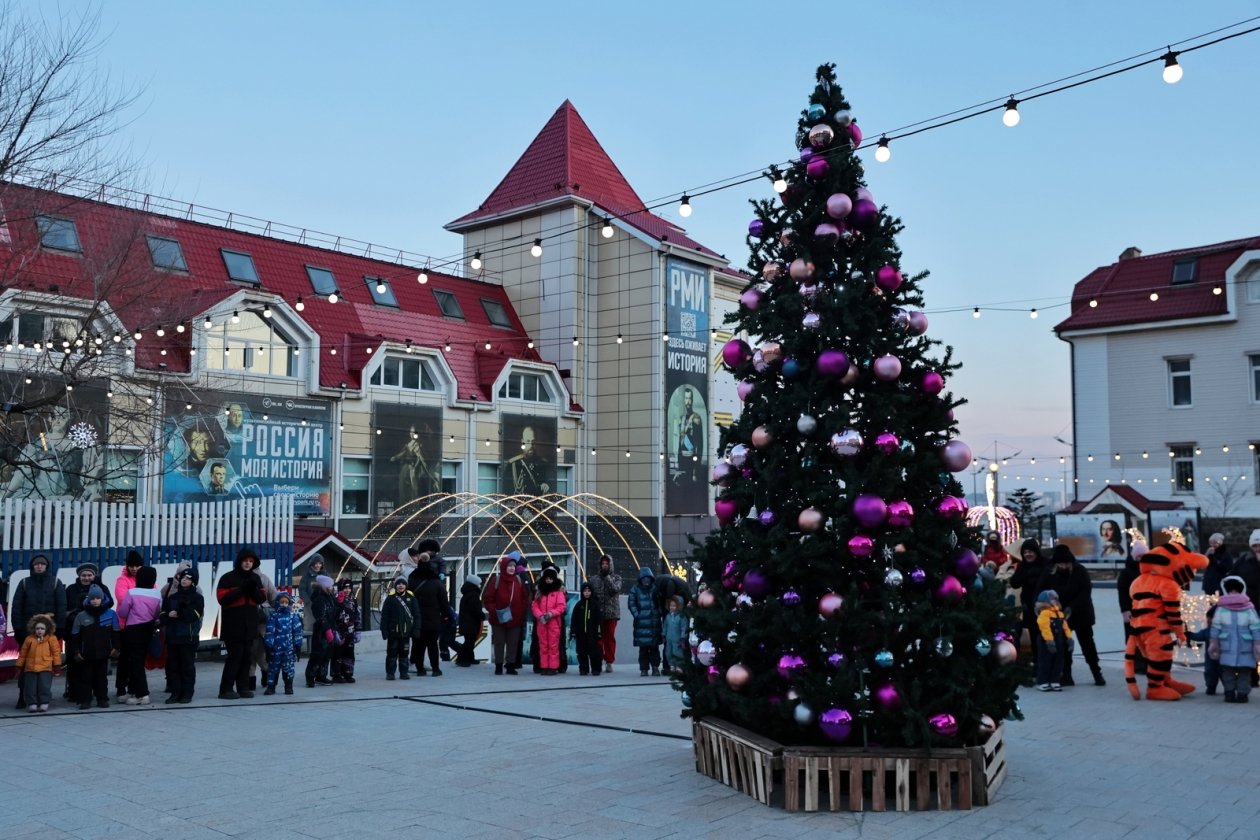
(732, 637)
(803, 715)
(790, 665)
(772, 352)
(802, 269)
(686, 700)
(847, 443)
(983, 647)
(821, 136)
(1005, 652)
(808, 292)
(949, 590)
(864, 213)
(705, 653)
(887, 367)
(791, 598)
(791, 368)
(693, 639)
(815, 112)
(951, 506)
(836, 724)
(918, 322)
(861, 545)
(869, 510)
(918, 576)
(888, 278)
(864, 193)
(987, 725)
(744, 390)
(932, 383)
(832, 362)
(956, 456)
(835, 660)
(855, 134)
(737, 676)
(751, 300)
(727, 510)
(888, 698)
(893, 579)
(743, 600)
(756, 583)
(714, 673)
(731, 577)
(766, 518)
(810, 520)
(842, 118)
(786, 237)
(884, 658)
(944, 647)
(811, 321)
(723, 474)
(901, 319)
(827, 235)
(806, 424)
(887, 443)
(756, 228)
(739, 454)
(762, 437)
(966, 563)
(944, 724)
(900, 514)
(759, 362)
(829, 604)
(735, 353)
(807, 154)
(839, 206)
(817, 168)
(705, 600)
(772, 271)
(850, 376)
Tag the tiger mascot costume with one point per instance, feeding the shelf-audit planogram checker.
(1156, 617)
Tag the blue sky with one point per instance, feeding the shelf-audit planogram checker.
(384, 121)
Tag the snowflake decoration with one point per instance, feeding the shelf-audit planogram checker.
(82, 435)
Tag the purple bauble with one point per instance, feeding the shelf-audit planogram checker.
(736, 352)
(956, 456)
(727, 510)
(944, 724)
(835, 660)
(790, 665)
(863, 192)
(836, 724)
(932, 382)
(846, 444)
(826, 234)
(808, 291)
(861, 545)
(751, 300)
(730, 575)
(864, 213)
(949, 590)
(756, 228)
(833, 363)
(887, 367)
(951, 506)
(744, 390)
(918, 577)
(739, 454)
(900, 514)
(839, 205)
(791, 598)
(806, 154)
(966, 563)
(811, 321)
(766, 518)
(811, 519)
(829, 604)
(869, 510)
(714, 673)
(918, 322)
(888, 698)
(888, 278)
(887, 443)
(723, 473)
(756, 583)
(855, 134)
(817, 168)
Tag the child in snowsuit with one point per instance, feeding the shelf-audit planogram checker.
(284, 643)
(1054, 640)
(675, 631)
(346, 627)
(39, 660)
(1211, 667)
(471, 621)
(400, 618)
(1235, 639)
(95, 638)
(182, 610)
(647, 622)
(548, 609)
(586, 626)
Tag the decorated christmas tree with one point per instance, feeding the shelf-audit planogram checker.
(841, 601)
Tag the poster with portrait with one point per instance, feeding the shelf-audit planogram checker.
(406, 455)
(527, 461)
(52, 439)
(223, 446)
(686, 388)
(1093, 537)
(1185, 520)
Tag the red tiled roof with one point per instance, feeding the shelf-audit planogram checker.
(146, 297)
(566, 159)
(1123, 288)
(1128, 494)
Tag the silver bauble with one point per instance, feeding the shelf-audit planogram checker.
(806, 424)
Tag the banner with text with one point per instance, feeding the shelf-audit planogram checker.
(686, 388)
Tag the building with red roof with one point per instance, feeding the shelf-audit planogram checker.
(1166, 376)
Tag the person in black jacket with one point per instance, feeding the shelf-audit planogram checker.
(1032, 565)
(39, 594)
(1071, 581)
(323, 631)
(435, 610)
(182, 610)
(94, 639)
(239, 593)
(76, 596)
(1219, 563)
(1124, 583)
(471, 621)
(587, 621)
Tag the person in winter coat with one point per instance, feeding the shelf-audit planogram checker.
(323, 609)
(1054, 640)
(1219, 563)
(348, 625)
(122, 586)
(400, 615)
(139, 611)
(1235, 639)
(435, 611)
(1124, 582)
(586, 624)
(606, 589)
(1071, 581)
(1032, 565)
(314, 568)
(668, 587)
(1246, 565)
(182, 611)
(94, 639)
(506, 603)
(39, 661)
(471, 621)
(284, 643)
(239, 593)
(39, 594)
(548, 609)
(994, 552)
(76, 595)
(675, 628)
(525, 576)
(647, 622)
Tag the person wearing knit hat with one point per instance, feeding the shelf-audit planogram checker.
(470, 619)
(1072, 582)
(94, 638)
(1032, 565)
(239, 593)
(182, 609)
(1220, 561)
(1235, 639)
(1054, 640)
(323, 610)
(400, 621)
(87, 576)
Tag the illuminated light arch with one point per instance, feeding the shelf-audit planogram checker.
(1000, 519)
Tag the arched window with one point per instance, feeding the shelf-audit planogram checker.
(255, 345)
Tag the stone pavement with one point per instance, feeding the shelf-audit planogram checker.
(474, 755)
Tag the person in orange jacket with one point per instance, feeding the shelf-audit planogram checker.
(39, 660)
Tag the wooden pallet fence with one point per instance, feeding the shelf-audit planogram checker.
(737, 758)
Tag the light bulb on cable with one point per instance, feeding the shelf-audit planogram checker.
(332, 297)
(975, 313)
(380, 287)
(535, 250)
(684, 206)
(1172, 70)
(1033, 314)
(475, 263)
(299, 306)
(422, 277)
(882, 152)
(780, 185)
(607, 230)
(1093, 303)
(1010, 117)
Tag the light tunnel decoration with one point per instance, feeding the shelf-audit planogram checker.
(1000, 519)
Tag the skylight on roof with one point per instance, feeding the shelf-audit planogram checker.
(1185, 271)
(448, 304)
(240, 267)
(322, 280)
(496, 313)
(166, 253)
(380, 290)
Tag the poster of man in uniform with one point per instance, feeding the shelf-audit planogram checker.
(528, 462)
(236, 446)
(52, 440)
(406, 455)
(686, 388)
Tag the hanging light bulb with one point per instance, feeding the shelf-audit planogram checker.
(535, 250)
(447, 348)
(975, 313)
(665, 338)
(117, 338)
(1010, 117)
(179, 328)
(161, 331)
(1093, 303)
(882, 152)
(780, 185)
(487, 345)
(208, 324)
(137, 336)
(380, 287)
(236, 317)
(1154, 296)
(299, 306)
(607, 230)
(684, 206)
(422, 277)
(1216, 290)
(476, 261)
(1172, 70)
(575, 341)
(1033, 313)
(332, 297)
(1116, 456)
(619, 338)
(627, 453)
(267, 310)
(530, 344)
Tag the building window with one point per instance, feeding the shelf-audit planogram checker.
(58, 234)
(450, 476)
(29, 329)
(496, 313)
(240, 267)
(381, 292)
(564, 480)
(487, 479)
(322, 281)
(356, 474)
(166, 253)
(531, 387)
(408, 374)
(255, 345)
(448, 304)
(1179, 383)
(1255, 378)
(1182, 467)
(1185, 271)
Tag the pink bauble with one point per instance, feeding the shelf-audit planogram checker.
(900, 514)
(888, 698)
(944, 724)
(839, 205)
(786, 236)
(932, 382)
(966, 563)
(714, 673)
(810, 520)
(850, 376)
(727, 510)
(888, 278)
(790, 665)
(918, 322)
(887, 443)
(1005, 652)
(864, 213)
(861, 545)
(863, 192)
(827, 234)
(829, 604)
(744, 390)
(949, 590)
(951, 506)
(773, 270)
(869, 510)
(887, 367)
(739, 454)
(736, 352)
(833, 363)
(956, 456)
(802, 269)
(817, 167)
(762, 437)
(759, 362)
(723, 473)
(737, 676)
(751, 300)
(855, 134)
(772, 352)
(705, 600)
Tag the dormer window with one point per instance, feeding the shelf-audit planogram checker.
(1185, 271)
(58, 234)
(254, 345)
(240, 267)
(530, 387)
(407, 374)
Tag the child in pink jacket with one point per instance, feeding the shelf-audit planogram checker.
(548, 609)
